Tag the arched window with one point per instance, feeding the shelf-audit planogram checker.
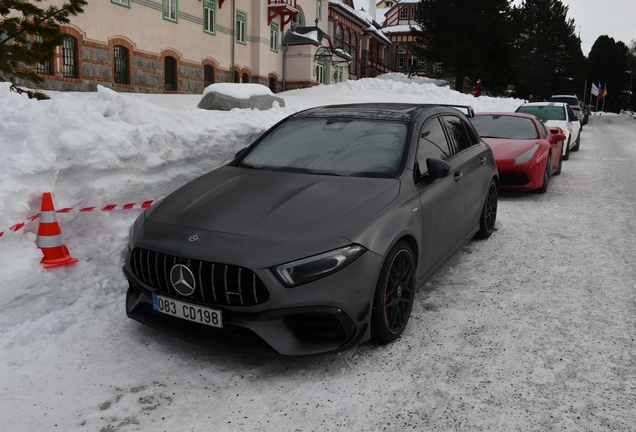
(120, 63)
(246, 78)
(298, 20)
(208, 75)
(272, 84)
(338, 36)
(237, 78)
(347, 36)
(170, 72)
(69, 57)
(354, 40)
(45, 68)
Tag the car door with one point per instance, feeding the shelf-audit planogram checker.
(441, 199)
(476, 169)
(574, 125)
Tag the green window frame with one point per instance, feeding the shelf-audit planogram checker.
(241, 27)
(273, 37)
(171, 10)
(321, 72)
(209, 16)
(319, 10)
(124, 3)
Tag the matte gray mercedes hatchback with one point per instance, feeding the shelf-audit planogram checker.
(316, 236)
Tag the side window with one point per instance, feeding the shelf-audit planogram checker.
(432, 144)
(571, 115)
(458, 132)
(543, 129)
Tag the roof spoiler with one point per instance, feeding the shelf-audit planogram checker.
(470, 112)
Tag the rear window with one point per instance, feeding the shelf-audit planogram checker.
(501, 126)
(544, 112)
(332, 146)
(572, 101)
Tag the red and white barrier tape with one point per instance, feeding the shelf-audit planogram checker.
(106, 208)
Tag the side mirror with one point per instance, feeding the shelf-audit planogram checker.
(558, 137)
(437, 168)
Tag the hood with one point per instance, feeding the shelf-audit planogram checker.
(274, 205)
(508, 149)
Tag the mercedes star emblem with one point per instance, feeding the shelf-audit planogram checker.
(194, 238)
(182, 280)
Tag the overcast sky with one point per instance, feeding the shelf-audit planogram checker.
(593, 18)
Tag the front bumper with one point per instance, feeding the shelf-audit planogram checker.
(521, 177)
(329, 314)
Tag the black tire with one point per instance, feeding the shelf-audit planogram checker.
(394, 294)
(566, 156)
(489, 212)
(546, 177)
(577, 144)
(558, 171)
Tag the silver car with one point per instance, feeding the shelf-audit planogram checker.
(316, 236)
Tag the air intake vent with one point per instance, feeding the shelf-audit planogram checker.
(216, 284)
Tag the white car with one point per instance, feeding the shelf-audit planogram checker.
(558, 114)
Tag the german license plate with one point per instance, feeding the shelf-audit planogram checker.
(187, 311)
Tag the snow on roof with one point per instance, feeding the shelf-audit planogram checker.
(378, 33)
(402, 28)
(238, 91)
(313, 35)
(363, 15)
(340, 52)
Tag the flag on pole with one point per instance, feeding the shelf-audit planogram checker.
(594, 90)
(602, 91)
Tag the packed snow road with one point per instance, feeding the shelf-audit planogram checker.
(532, 329)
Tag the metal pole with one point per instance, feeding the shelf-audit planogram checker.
(233, 39)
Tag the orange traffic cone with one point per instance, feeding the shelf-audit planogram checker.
(50, 239)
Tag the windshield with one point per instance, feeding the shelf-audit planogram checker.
(573, 102)
(501, 126)
(343, 146)
(544, 112)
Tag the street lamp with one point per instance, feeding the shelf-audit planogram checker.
(629, 92)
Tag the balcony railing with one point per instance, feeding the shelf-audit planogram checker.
(380, 67)
(291, 3)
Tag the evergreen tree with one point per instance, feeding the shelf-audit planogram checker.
(606, 65)
(20, 22)
(552, 60)
(468, 38)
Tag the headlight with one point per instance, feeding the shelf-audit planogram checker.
(318, 266)
(524, 158)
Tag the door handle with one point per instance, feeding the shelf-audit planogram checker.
(483, 160)
(458, 175)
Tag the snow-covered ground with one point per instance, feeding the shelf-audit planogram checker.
(532, 329)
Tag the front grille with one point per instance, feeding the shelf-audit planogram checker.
(216, 284)
(516, 178)
(316, 327)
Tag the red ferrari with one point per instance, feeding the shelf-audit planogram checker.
(527, 152)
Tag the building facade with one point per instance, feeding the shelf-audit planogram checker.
(397, 27)
(182, 46)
